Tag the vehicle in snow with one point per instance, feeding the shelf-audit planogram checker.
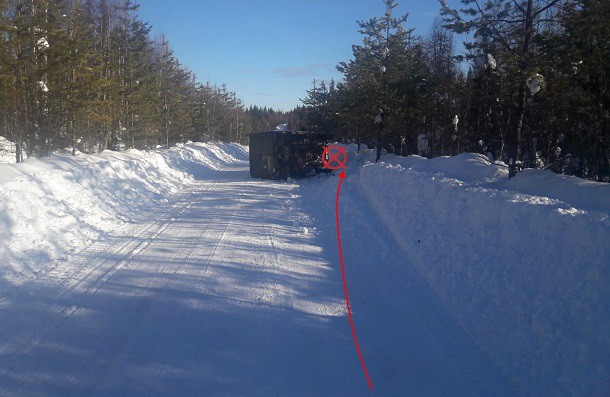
(282, 154)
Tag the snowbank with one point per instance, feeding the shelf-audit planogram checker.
(54, 207)
(580, 193)
(527, 275)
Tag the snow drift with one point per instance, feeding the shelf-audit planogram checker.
(54, 207)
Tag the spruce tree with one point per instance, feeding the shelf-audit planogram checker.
(508, 31)
(384, 80)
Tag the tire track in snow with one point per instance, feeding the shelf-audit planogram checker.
(231, 269)
(182, 254)
(92, 275)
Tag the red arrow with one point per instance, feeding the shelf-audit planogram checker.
(349, 310)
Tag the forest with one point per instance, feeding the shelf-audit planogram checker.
(520, 81)
(528, 86)
(86, 75)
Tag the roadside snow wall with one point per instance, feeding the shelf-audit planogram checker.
(528, 276)
(54, 207)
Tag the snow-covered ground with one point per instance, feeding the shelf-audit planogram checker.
(522, 265)
(172, 272)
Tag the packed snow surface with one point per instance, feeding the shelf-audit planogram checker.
(172, 272)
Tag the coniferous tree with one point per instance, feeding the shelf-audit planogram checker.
(384, 82)
(8, 76)
(320, 107)
(85, 74)
(440, 101)
(579, 85)
(509, 31)
(531, 88)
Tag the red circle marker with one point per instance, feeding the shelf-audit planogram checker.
(334, 157)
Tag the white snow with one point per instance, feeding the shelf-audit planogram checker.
(51, 208)
(522, 265)
(43, 86)
(173, 272)
(7, 151)
(534, 83)
(42, 43)
(422, 144)
(491, 62)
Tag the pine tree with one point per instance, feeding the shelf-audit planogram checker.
(175, 94)
(440, 100)
(581, 85)
(318, 103)
(384, 80)
(511, 30)
(23, 76)
(71, 75)
(7, 76)
(107, 93)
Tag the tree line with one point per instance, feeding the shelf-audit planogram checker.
(86, 75)
(530, 86)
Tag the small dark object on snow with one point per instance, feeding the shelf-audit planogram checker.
(284, 154)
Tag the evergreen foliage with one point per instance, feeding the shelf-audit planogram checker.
(531, 87)
(85, 75)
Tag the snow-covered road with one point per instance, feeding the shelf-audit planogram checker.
(173, 273)
(231, 289)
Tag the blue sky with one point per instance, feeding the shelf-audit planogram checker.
(269, 51)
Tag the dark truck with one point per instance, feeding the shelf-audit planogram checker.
(283, 154)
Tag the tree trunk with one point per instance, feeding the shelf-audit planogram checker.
(522, 95)
(378, 143)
